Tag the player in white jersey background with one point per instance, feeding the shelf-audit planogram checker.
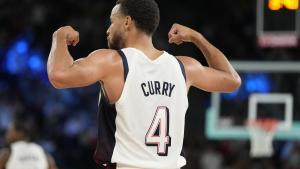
(21, 153)
(143, 90)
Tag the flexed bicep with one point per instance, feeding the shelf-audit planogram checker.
(207, 78)
(213, 80)
(219, 76)
(84, 71)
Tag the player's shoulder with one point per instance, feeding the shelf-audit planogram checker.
(105, 54)
(105, 57)
(191, 67)
(188, 61)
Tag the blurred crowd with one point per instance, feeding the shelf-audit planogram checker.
(65, 120)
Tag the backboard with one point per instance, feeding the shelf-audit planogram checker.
(269, 90)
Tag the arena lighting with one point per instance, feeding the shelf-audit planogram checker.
(36, 63)
(257, 83)
(20, 59)
(232, 95)
(252, 83)
(279, 4)
(15, 61)
(21, 46)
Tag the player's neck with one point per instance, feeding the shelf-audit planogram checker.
(141, 41)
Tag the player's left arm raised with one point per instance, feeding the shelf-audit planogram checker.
(207, 78)
(220, 76)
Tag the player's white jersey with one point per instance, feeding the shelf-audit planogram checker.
(26, 155)
(145, 127)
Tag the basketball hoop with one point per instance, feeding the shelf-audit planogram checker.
(261, 133)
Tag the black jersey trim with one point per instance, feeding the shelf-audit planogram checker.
(182, 68)
(125, 64)
(106, 132)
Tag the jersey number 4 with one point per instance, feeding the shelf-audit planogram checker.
(158, 133)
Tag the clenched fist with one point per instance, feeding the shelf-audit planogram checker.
(69, 34)
(179, 34)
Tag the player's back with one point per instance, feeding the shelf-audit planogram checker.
(26, 155)
(145, 127)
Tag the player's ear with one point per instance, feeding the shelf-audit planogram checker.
(128, 22)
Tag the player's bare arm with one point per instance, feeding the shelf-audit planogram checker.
(220, 76)
(64, 72)
(4, 156)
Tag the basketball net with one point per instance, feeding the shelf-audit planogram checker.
(261, 133)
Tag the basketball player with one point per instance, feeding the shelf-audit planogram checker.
(143, 98)
(21, 153)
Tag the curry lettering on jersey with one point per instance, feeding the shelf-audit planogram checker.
(157, 88)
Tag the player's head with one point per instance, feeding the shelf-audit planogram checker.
(18, 130)
(131, 16)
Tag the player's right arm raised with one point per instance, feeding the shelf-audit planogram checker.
(220, 76)
(65, 72)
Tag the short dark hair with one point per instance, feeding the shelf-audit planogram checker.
(145, 13)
